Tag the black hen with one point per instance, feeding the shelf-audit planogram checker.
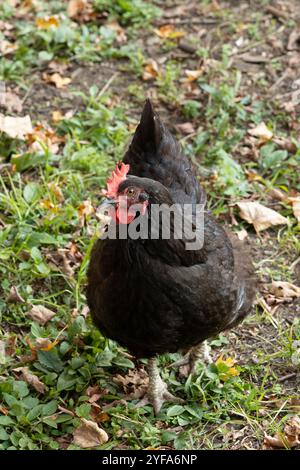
(154, 296)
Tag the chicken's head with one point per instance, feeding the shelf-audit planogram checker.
(125, 195)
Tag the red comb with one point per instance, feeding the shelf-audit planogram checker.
(116, 179)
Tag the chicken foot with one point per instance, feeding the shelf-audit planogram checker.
(192, 357)
(157, 393)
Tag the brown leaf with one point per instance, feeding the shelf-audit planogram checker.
(45, 344)
(242, 234)
(296, 206)
(284, 290)
(6, 27)
(4, 410)
(285, 143)
(277, 194)
(31, 379)
(10, 101)
(84, 210)
(193, 75)
(168, 32)
(66, 269)
(43, 136)
(151, 70)
(57, 66)
(94, 393)
(14, 297)
(57, 116)
(134, 384)
(293, 41)
(75, 7)
(15, 127)
(121, 34)
(56, 79)
(40, 314)
(7, 47)
(81, 10)
(56, 191)
(288, 439)
(260, 216)
(65, 410)
(186, 128)
(10, 347)
(261, 132)
(88, 434)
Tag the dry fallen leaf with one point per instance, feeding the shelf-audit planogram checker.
(45, 344)
(261, 132)
(7, 47)
(242, 234)
(88, 434)
(40, 314)
(296, 206)
(10, 347)
(193, 75)
(260, 216)
(85, 209)
(293, 41)
(67, 269)
(10, 101)
(31, 379)
(41, 137)
(121, 34)
(47, 22)
(134, 384)
(186, 128)
(151, 70)
(94, 393)
(57, 116)
(168, 32)
(285, 144)
(81, 10)
(56, 191)
(56, 79)
(288, 439)
(58, 66)
(277, 194)
(252, 176)
(15, 127)
(284, 290)
(4, 410)
(75, 7)
(14, 297)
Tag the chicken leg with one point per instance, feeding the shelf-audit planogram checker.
(157, 393)
(192, 357)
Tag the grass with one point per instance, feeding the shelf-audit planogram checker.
(48, 199)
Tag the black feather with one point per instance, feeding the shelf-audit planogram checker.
(154, 296)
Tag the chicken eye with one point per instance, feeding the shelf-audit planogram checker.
(130, 192)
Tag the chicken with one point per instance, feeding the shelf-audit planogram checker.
(153, 296)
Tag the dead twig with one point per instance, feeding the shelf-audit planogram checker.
(26, 95)
(279, 14)
(107, 84)
(287, 377)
